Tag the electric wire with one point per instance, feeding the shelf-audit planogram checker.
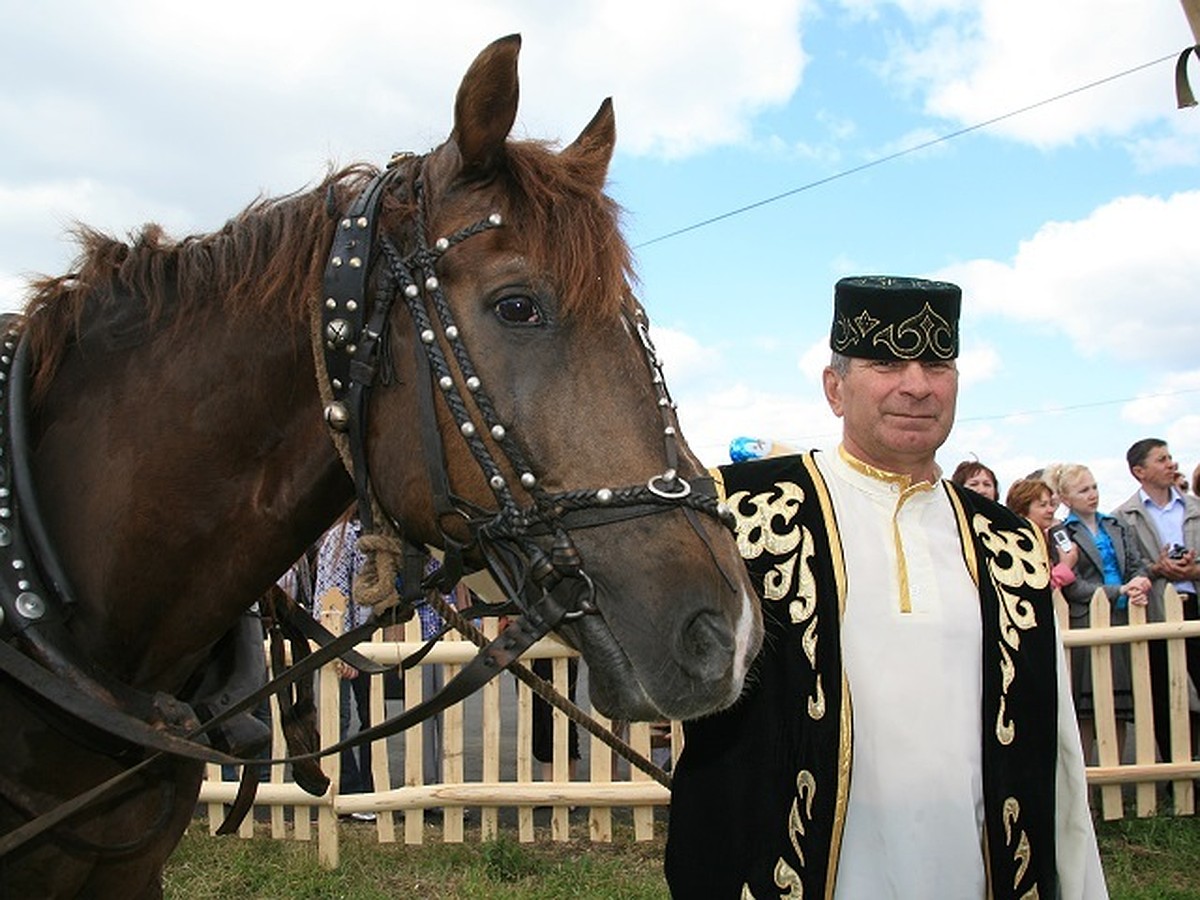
(923, 145)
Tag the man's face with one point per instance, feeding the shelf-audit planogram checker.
(895, 414)
(1158, 470)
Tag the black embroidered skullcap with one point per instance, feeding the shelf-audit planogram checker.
(884, 317)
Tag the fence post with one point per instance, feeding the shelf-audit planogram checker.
(1181, 732)
(1104, 714)
(1143, 714)
(329, 706)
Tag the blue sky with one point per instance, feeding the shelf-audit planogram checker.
(1071, 227)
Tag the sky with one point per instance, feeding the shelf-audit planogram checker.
(1031, 152)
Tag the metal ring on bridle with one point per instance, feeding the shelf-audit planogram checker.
(681, 487)
(587, 606)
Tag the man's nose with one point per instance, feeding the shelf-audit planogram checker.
(915, 380)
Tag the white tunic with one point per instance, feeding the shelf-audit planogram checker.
(911, 647)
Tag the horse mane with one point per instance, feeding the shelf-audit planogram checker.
(272, 256)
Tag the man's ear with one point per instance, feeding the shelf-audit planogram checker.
(1138, 472)
(832, 382)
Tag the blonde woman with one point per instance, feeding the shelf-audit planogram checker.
(1108, 558)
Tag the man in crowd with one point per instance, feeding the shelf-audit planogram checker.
(907, 731)
(1166, 524)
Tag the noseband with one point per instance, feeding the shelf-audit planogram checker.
(355, 354)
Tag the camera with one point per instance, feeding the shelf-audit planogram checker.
(1176, 551)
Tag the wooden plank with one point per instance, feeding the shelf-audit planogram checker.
(414, 757)
(1104, 710)
(524, 754)
(601, 763)
(643, 816)
(1183, 794)
(329, 693)
(560, 815)
(453, 737)
(489, 821)
(381, 772)
(1143, 714)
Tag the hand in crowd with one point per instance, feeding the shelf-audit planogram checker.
(1070, 557)
(1182, 568)
(1137, 589)
(346, 671)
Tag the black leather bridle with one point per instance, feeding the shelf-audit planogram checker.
(354, 332)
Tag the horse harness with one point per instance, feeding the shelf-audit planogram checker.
(355, 355)
(35, 595)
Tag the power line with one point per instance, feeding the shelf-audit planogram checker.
(813, 440)
(1074, 406)
(899, 153)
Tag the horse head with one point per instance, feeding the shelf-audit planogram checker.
(565, 465)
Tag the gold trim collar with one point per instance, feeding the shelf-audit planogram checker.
(904, 481)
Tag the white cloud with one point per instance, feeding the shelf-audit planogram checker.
(683, 357)
(973, 61)
(1114, 283)
(711, 420)
(978, 363)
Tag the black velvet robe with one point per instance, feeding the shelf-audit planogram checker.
(760, 791)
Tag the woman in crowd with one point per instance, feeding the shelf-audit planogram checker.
(1107, 559)
(975, 476)
(1033, 499)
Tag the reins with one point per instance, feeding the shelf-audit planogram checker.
(350, 339)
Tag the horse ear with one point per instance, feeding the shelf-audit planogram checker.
(486, 106)
(594, 146)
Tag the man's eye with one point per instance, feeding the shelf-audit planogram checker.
(518, 310)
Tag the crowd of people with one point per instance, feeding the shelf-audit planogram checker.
(1150, 540)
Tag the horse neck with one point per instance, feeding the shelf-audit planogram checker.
(178, 480)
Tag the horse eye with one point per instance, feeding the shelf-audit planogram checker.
(517, 310)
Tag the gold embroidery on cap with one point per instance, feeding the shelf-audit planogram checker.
(925, 332)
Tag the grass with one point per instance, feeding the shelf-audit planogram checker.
(1148, 859)
(208, 868)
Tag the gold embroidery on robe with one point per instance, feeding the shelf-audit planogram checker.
(1015, 561)
(786, 878)
(788, 881)
(1022, 852)
(767, 529)
(816, 703)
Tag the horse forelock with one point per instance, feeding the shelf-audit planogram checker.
(570, 229)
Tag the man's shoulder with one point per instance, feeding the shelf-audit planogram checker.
(767, 470)
(1131, 507)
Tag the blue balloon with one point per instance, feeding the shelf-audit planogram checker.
(745, 448)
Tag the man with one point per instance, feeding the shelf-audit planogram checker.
(1166, 524)
(907, 731)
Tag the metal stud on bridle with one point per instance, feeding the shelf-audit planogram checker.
(514, 530)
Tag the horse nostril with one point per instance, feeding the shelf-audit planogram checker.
(706, 646)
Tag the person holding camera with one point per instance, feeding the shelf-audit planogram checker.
(1166, 525)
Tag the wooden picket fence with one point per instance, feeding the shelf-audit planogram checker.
(1140, 765)
(506, 767)
(499, 744)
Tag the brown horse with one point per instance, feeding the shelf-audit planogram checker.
(182, 459)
